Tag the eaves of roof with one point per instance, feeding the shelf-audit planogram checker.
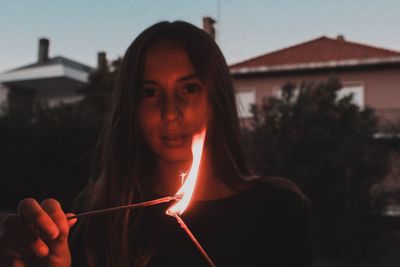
(44, 72)
(56, 67)
(315, 65)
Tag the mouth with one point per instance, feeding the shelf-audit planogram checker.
(175, 140)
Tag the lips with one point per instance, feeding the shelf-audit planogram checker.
(175, 140)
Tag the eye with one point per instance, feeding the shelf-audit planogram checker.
(191, 88)
(148, 92)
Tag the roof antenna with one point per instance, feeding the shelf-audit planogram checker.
(218, 17)
(219, 11)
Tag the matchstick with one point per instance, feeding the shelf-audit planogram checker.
(187, 230)
(130, 206)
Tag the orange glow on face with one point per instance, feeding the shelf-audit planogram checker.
(187, 189)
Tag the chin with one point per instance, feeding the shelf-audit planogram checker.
(176, 156)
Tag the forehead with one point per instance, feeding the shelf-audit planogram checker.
(166, 57)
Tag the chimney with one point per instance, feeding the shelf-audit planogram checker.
(101, 61)
(43, 55)
(340, 38)
(208, 26)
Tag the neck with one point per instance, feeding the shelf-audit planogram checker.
(167, 176)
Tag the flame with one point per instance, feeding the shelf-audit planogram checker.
(187, 189)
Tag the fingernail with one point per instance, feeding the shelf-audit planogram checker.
(42, 251)
(72, 222)
(54, 232)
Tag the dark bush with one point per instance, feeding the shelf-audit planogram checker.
(47, 152)
(326, 146)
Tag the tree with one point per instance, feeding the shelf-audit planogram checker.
(326, 146)
(47, 151)
(98, 90)
(47, 155)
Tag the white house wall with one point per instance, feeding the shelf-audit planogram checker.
(54, 97)
(3, 97)
(44, 72)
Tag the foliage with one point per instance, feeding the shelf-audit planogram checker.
(98, 90)
(46, 157)
(326, 146)
(47, 152)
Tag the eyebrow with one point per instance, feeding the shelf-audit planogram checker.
(188, 77)
(181, 79)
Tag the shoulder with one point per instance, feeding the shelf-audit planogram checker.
(279, 222)
(279, 194)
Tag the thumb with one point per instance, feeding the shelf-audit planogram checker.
(59, 251)
(59, 245)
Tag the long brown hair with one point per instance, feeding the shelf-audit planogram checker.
(124, 161)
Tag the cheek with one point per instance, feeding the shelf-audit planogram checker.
(204, 112)
(147, 122)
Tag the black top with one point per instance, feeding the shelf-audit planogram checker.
(266, 225)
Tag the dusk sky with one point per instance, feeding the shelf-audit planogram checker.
(80, 29)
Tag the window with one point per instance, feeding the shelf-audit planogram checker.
(356, 89)
(277, 92)
(358, 93)
(244, 100)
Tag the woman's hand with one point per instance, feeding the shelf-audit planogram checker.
(36, 236)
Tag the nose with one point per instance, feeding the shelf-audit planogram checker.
(171, 111)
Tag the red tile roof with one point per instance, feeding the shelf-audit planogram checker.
(319, 50)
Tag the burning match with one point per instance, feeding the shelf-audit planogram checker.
(130, 206)
(187, 190)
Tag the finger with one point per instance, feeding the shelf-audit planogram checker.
(30, 210)
(6, 261)
(23, 237)
(10, 249)
(19, 263)
(58, 248)
(54, 210)
(71, 222)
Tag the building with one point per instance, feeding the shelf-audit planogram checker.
(49, 80)
(52, 81)
(372, 74)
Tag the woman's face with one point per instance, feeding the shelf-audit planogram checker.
(174, 103)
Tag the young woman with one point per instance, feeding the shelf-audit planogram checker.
(173, 83)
